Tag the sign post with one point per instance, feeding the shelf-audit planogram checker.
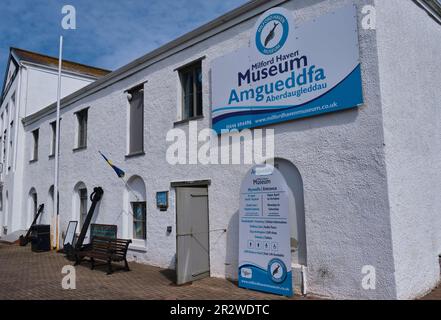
(264, 232)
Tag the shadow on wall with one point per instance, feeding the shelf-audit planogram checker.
(232, 248)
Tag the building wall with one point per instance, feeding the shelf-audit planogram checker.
(340, 157)
(409, 47)
(43, 89)
(6, 217)
(34, 88)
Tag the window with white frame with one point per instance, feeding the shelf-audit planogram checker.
(139, 220)
(53, 138)
(136, 120)
(11, 132)
(136, 206)
(191, 87)
(5, 135)
(82, 117)
(35, 139)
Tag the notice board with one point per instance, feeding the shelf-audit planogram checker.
(103, 230)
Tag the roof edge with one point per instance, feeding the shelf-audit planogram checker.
(56, 58)
(432, 7)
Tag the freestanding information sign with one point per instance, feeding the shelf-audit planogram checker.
(264, 232)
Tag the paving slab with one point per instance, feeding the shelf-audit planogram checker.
(26, 275)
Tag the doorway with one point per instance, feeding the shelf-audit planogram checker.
(192, 234)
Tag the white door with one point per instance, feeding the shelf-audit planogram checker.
(193, 262)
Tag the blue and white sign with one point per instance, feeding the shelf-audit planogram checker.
(264, 232)
(289, 71)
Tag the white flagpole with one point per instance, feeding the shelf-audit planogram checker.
(57, 144)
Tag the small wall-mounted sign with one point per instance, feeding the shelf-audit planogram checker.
(162, 200)
(103, 230)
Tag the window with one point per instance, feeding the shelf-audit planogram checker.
(83, 205)
(35, 135)
(53, 141)
(139, 220)
(82, 129)
(5, 135)
(4, 147)
(2, 140)
(32, 206)
(11, 131)
(136, 121)
(135, 222)
(191, 83)
(12, 108)
(10, 155)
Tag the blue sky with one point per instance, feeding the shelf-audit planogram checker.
(110, 33)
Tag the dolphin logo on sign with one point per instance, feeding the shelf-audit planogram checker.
(270, 35)
(268, 31)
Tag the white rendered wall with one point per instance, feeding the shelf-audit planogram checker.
(42, 90)
(6, 217)
(340, 157)
(34, 88)
(409, 48)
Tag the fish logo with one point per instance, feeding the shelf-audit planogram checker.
(272, 33)
(277, 270)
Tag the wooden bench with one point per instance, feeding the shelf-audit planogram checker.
(105, 249)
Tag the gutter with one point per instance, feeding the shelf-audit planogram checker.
(224, 22)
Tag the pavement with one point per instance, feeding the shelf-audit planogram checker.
(26, 275)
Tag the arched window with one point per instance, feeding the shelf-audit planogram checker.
(79, 207)
(32, 207)
(136, 207)
(50, 204)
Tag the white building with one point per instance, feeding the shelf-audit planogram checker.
(366, 181)
(30, 84)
